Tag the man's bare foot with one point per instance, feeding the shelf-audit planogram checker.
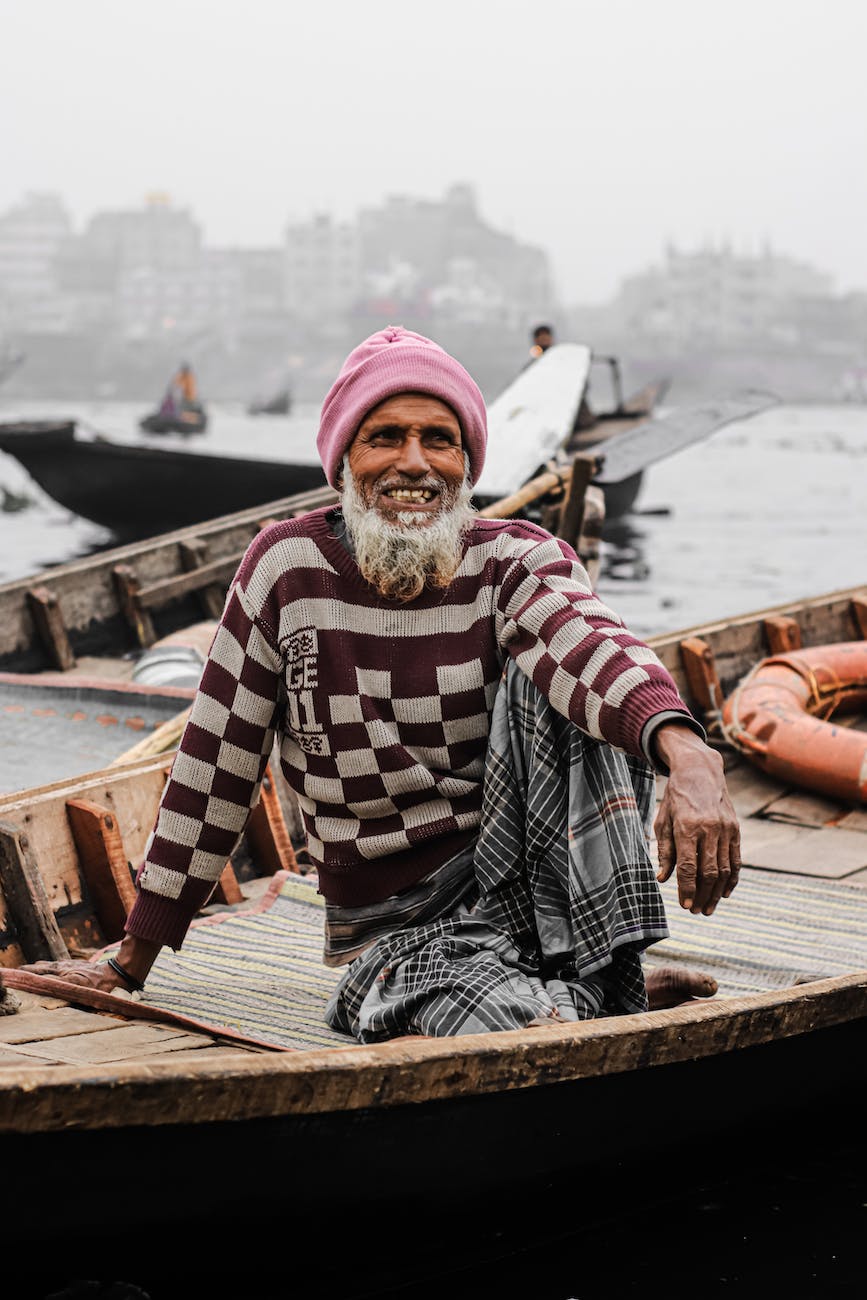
(669, 986)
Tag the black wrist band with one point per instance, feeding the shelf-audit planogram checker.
(130, 980)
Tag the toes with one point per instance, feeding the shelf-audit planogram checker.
(669, 986)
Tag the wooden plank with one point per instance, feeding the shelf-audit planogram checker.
(804, 810)
(751, 790)
(855, 820)
(41, 1025)
(48, 620)
(212, 1052)
(113, 1045)
(828, 854)
(26, 899)
(104, 863)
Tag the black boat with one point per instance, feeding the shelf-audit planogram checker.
(137, 490)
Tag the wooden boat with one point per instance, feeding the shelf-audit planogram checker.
(191, 418)
(498, 1129)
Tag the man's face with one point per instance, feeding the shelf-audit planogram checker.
(407, 457)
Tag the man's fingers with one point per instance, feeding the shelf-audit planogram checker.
(734, 863)
(664, 846)
(686, 881)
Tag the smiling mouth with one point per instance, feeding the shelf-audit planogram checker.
(414, 496)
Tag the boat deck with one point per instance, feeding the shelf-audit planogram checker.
(788, 837)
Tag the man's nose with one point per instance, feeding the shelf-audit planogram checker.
(413, 457)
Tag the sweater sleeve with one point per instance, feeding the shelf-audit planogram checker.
(215, 777)
(578, 651)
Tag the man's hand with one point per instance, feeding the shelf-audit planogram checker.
(135, 955)
(696, 826)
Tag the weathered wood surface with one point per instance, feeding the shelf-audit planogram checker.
(86, 594)
(408, 1071)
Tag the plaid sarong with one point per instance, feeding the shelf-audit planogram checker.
(560, 898)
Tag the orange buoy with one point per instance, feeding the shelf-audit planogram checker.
(781, 717)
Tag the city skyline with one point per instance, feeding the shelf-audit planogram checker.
(599, 135)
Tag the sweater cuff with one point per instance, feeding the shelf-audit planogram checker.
(649, 730)
(159, 920)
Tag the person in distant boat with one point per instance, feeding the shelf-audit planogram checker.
(472, 734)
(541, 339)
(184, 384)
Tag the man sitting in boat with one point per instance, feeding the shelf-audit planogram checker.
(472, 735)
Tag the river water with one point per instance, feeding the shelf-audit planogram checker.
(765, 511)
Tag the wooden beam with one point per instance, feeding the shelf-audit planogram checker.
(129, 591)
(571, 520)
(182, 584)
(701, 674)
(193, 554)
(26, 899)
(48, 620)
(782, 634)
(227, 890)
(104, 864)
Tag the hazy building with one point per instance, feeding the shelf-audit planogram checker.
(31, 234)
(719, 296)
(322, 268)
(460, 264)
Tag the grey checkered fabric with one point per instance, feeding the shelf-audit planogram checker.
(560, 897)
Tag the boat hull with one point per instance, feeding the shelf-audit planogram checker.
(138, 491)
(548, 1158)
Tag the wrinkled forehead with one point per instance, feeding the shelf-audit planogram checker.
(412, 408)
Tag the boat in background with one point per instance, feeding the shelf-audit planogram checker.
(139, 490)
(189, 418)
(181, 410)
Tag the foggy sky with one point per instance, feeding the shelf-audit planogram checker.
(597, 129)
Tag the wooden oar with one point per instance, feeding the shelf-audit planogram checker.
(634, 449)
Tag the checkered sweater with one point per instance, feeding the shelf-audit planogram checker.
(381, 709)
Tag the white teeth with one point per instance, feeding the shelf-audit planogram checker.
(410, 494)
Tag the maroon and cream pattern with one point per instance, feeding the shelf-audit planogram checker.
(381, 710)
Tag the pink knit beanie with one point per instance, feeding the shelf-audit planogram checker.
(395, 360)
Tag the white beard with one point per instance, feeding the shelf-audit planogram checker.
(399, 559)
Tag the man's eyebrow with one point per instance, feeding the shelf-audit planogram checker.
(430, 426)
